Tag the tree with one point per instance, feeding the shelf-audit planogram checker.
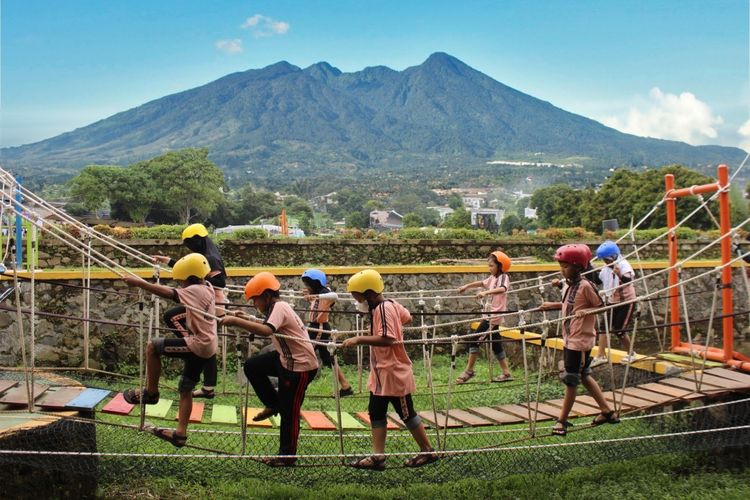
(135, 191)
(413, 220)
(558, 205)
(90, 186)
(510, 222)
(460, 219)
(357, 219)
(455, 201)
(252, 204)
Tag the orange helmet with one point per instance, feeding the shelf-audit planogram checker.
(503, 260)
(260, 283)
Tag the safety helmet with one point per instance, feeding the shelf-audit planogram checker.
(503, 260)
(368, 279)
(260, 283)
(193, 264)
(194, 230)
(574, 254)
(608, 250)
(316, 274)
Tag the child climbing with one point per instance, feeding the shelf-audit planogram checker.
(496, 287)
(391, 379)
(321, 300)
(195, 348)
(578, 302)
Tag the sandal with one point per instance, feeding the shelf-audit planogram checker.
(465, 377)
(503, 378)
(204, 393)
(266, 413)
(171, 437)
(133, 397)
(561, 428)
(610, 417)
(373, 462)
(279, 461)
(424, 458)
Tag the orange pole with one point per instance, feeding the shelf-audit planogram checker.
(674, 304)
(726, 272)
(696, 190)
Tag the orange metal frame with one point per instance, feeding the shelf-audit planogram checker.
(727, 354)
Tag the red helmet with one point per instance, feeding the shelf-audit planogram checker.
(574, 254)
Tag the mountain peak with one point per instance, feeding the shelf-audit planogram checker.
(280, 68)
(442, 62)
(322, 71)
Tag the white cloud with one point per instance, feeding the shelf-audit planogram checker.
(744, 132)
(262, 26)
(233, 46)
(681, 117)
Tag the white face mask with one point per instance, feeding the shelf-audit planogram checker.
(363, 307)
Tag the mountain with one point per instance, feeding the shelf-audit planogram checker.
(283, 121)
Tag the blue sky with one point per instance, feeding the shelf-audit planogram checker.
(672, 69)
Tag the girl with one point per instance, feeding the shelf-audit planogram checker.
(578, 301)
(195, 237)
(391, 378)
(293, 362)
(496, 286)
(616, 277)
(321, 300)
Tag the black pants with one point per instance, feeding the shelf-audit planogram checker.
(620, 317)
(404, 406)
(325, 356)
(287, 401)
(176, 319)
(497, 342)
(191, 371)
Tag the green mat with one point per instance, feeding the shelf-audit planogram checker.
(160, 409)
(684, 359)
(224, 414)
(347, 421)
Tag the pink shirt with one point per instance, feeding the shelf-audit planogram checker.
(202, 340)
(499, 301)
(295, 355)
(319, 310)
(390, 367)
(579, 334)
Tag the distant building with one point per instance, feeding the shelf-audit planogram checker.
(486, 218)
(530, 213)
(443, 212)
(472, 201)
(386, 220)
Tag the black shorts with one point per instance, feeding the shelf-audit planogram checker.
(619, 319)
(404, 406)
(577, 361)
(495, 338)
(177, 348)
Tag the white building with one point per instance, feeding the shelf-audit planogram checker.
(486, 218)
(472, 201)
(443, 212)
(386, 220)
(530, 213)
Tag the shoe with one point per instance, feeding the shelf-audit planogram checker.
(204, 393)
(465, 377)
(597, 361)
(346, 392)
(629, 359)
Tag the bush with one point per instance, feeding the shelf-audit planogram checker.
(565, 233)
(162, 232)
(413, 233)
(253, 233)
(684, 233)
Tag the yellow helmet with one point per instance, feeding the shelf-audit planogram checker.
(368, 279)
(193, 264)
(194, 230)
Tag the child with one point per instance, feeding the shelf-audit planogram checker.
(293, 362)
(391, 379)
(195, 348)
(616, 277)
(496, 286)
(578, 335)
(195, 237)
(321, 300)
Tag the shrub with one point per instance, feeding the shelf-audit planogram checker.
(253, 233)
(161, 232)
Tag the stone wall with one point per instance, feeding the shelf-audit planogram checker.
(290, 252)
(59, 342)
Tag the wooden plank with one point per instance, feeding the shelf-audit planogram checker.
(579, 409)
(7, 384)
(496, 416)
(730, 374)
(223, 414)
(118, 406)
(469, 418)
(365, 417)
(160, 409)
(520, 411)
(59, 398)
(318, 421)
(428, 416)
(688, 385)
(628, 400)
(544, 409)
(196, 413)
(707, 378)
(588, 400)
(397, 420)
(669, 390)
(654, 397)
(347, 421)
(251, 413)
(18, 395)
(88, 399)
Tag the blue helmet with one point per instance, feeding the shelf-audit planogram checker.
(608, 250)
(316, 274)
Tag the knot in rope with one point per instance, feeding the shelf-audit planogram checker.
(521, 318)
(157, 271)
(437, 305)
(332, 342)
(454, 344)
(545, 329)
